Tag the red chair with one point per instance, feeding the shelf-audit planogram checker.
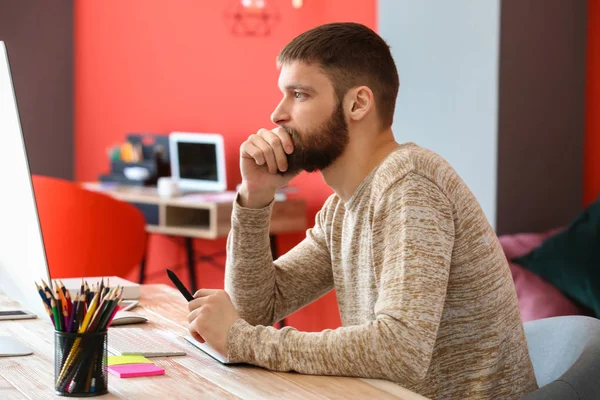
(87, 233)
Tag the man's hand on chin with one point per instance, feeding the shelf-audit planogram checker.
(211, 315)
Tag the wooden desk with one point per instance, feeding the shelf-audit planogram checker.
(197, 216)
(193, 376)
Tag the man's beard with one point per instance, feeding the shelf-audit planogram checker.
(317, 149)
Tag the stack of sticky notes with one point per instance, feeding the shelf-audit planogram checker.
(132, 366)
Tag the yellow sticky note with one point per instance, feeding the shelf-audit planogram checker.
(120, 360)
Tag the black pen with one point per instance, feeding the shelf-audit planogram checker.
(186, 293)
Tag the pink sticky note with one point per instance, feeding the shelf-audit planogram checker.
(133, 370)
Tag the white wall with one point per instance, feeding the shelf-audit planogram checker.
(447, 57)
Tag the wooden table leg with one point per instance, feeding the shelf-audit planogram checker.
(274, 252)
(191, 260)
(142, 269)
(143, 261)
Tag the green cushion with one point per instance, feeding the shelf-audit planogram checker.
(570, 260)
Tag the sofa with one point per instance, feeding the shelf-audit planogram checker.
(537, 297)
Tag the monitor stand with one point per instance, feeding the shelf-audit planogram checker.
(10, 347)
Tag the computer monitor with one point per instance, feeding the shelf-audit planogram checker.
(22, 255)
(198, 161)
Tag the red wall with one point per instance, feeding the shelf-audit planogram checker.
(156, 66)
(592, 120)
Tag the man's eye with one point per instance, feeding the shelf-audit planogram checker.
(299, 95)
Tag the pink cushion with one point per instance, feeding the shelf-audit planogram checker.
(537, 298)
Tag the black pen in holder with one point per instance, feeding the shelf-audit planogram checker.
(80, 368)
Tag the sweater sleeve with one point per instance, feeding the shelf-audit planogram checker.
(264, 291)
(413, 236)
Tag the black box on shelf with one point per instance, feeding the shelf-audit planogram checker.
(155, 161)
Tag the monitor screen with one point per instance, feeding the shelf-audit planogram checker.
(197, 161)
(22, 254)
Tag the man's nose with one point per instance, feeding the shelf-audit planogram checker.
(280, 116)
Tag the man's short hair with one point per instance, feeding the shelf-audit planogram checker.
(351, 55)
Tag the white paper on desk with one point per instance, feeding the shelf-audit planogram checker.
(220, 197)
(205, 347)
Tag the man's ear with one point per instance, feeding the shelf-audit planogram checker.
(360, 102)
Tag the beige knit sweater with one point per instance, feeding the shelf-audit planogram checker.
(424, 290)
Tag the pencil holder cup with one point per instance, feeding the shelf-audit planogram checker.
(80, 364)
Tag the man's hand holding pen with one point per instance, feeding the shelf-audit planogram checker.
(211, 315)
